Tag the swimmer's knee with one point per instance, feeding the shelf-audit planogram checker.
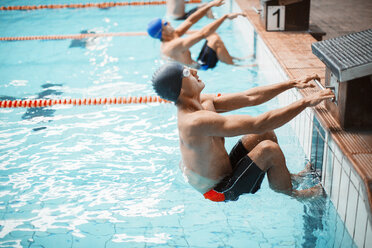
(268, 146)
(213, 36)
(213, 40)
(270, 135)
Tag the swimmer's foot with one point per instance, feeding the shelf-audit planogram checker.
(210, 14)
(315, 191)
(247, 65)
(242, 58)
(300, 177)
(306, 170)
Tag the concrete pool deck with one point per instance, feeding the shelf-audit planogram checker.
(293, 52)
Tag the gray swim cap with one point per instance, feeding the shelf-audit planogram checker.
(167, 81)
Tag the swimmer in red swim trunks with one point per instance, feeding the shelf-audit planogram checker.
(208, 167)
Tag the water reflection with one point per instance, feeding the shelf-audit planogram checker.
(313, 220)
(43, 111)
(83, 43)
(49, 90)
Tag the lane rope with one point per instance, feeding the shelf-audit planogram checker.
(70, 36)
(77, 36)
(88, 5)
(39, 103)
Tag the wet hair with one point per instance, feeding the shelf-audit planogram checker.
(167, 81)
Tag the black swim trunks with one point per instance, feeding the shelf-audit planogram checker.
(189, 13)
(207, 58)
(246, 177)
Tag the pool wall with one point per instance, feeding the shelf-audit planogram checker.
(341, 182)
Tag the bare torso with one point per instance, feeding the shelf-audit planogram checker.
(169, 50)
(204, 158)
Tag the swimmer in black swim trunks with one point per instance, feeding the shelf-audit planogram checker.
(176, 47)
(205, 162)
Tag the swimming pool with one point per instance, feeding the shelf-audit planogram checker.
(107, 176)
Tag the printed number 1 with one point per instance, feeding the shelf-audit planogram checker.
(278, 18)
(275, 18)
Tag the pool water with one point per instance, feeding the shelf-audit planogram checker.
(108, 176)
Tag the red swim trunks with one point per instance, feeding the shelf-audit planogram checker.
(245, 178)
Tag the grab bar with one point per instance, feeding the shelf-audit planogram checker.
(327, 87)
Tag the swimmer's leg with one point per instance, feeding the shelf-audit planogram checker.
(209, 13)
(215, 42)
(317, 190)
(242, 58)
(250, 141)
(247, 65)
(269, 157)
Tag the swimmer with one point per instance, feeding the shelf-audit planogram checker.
(208, 167)
(176, 10)
(176, 47)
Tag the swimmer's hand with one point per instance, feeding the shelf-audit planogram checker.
(306, 81)
(217, 3)
(318, 97)
(234, 15)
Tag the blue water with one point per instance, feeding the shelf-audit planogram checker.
(108, 176)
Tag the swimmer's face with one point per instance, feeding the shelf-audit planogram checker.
(166, 28)
(191, 80)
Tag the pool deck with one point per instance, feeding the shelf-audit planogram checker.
(293, 52)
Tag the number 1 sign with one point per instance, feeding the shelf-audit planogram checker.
(275, 18)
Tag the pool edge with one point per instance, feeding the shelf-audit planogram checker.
(340, 179)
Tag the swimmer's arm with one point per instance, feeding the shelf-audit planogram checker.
(208, 123)
(206, 31)
(259, 95)
(196, 16)
(203, 33)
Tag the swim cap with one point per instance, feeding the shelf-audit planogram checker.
(167, 81)
(154, 28)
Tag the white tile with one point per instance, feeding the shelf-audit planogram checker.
(310, 113)
(312, 119)
(354, 176)
(355, 179)
(292, 124)
(328, 171)
(324, 162)
(331, 143)
(301, 130)
(361, 222)
(338, 153)
(343, 195)
(346, 166)
(298, 95)
(351, 210)
(290, 97)
(324, 167)
(284, 97)
(368, 242)
(297, 125)
(307, 142)
(294, 92)
(335, 182)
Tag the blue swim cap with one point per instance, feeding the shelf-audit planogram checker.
(154, 28)
(167, 81)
